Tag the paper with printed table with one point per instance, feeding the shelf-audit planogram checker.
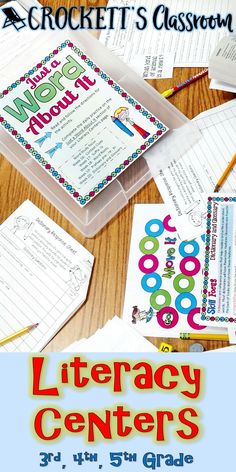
(184, 183)
(44, 277)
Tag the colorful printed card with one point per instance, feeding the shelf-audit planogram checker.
(218, 300)
(163, 292)
(76, 122)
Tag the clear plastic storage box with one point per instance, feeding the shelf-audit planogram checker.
(90, 219)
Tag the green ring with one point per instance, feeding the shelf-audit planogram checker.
(154, 296)
(146, 240)
(184, 277)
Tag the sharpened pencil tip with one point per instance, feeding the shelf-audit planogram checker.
(216, 189)
(33, 326)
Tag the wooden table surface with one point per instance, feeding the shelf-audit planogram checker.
(111, 246)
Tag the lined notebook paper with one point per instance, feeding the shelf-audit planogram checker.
(184, 183)
(44, 277)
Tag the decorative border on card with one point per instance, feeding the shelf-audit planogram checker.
(107, 180)
(204, 317)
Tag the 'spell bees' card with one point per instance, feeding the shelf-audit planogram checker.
(218, 294)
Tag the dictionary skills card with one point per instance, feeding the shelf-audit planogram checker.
(76, 122)
(163, 289)
(218, 293)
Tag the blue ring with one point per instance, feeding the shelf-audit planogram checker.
(183, 245)
(155, 234)
(156, 287)
(180, 298)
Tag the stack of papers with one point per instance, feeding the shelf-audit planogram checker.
(115, 336)
(153, 53)
(218, 85)
(222, 65)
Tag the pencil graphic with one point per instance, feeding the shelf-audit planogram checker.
(121, 116)
(16, 335)
(122, 126)
(138, 128)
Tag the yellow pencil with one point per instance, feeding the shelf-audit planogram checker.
(18, 334)
(206, 337)
(227, 171)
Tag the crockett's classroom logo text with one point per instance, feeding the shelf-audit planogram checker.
(99, 18)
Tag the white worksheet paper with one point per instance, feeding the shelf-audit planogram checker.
(224, 349)
(191, 49)
(44, 277)
(153, 66)
(218, 85)
(164, 281)
(183, 184)
(115, 336)
(232, 336)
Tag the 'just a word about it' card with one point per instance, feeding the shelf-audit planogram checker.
(163, 291)
(76, 122)
(218, 294)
